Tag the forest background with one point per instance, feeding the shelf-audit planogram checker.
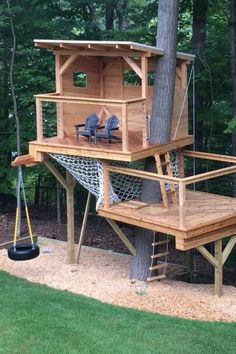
(207, 29)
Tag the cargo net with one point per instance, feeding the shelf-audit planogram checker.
(89, 173)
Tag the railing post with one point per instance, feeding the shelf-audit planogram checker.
(125, 141)
(39, 119)
(182, 197)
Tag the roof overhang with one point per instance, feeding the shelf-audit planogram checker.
(105, 48)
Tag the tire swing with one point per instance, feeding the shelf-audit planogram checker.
(22, 252)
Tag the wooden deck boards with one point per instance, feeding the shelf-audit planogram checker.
(208, 218)
(69, 146)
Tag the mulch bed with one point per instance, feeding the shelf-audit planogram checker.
(99, 234)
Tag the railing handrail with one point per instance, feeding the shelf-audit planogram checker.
(175, 180)
(54, 97)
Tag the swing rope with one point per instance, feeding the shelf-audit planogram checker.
(20, 187)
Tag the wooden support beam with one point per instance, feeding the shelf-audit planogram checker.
(56, 174)
(27, 160)
(84, 224)
(69, 185)
(134, 66)
(67, 64)
(206, 254)
(122, 236)
(218, 268)
(70, 218)
(217, 263)
(228, 248)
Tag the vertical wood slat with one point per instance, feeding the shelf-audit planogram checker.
(125, 142)
(59, 105)
(39, 119)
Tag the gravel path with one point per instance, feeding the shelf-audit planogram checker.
(104, 275)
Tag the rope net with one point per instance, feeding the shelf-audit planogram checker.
(89, 173)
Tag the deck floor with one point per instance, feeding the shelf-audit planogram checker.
(208, 217)
(113, 151)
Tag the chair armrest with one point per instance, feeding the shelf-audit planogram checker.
(116, 128)
(79, 125)
(101, 127)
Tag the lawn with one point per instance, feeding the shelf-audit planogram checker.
(36, 319)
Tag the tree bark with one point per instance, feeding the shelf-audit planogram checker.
(109, 8)
(161, 120)
(233, 77)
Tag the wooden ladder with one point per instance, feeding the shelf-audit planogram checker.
(163, 164)
(161, 266)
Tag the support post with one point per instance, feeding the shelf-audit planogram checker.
(69, 185)
(70, 218)
(218, 268)
(83, 228)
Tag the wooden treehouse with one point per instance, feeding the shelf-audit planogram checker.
(116, 79)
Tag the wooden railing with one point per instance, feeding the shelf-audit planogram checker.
(180, 182)
(59, 99)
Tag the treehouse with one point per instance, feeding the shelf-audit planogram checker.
(106, 79)
(99, 118)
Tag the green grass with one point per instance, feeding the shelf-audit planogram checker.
(37, 319)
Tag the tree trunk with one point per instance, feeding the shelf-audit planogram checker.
(161, 120)
(200, 9)
(233, 77)
(109, 15)
(121, 8)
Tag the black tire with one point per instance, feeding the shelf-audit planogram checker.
(23, 252)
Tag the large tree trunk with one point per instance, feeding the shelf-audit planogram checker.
(233, 76)
(160, 122)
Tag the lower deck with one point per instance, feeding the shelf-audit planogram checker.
(208, 217)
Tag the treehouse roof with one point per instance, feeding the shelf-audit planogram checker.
(106, 48)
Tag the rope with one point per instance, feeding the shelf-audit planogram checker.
(183, 103)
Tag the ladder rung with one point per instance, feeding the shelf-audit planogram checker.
(158, 277)
(159, 266)
(159, 255)
(165, 163)
(162, 242)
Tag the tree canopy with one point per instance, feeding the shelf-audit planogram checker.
(111, 20)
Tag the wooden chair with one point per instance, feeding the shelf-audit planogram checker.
(90, 124)
(110, 126)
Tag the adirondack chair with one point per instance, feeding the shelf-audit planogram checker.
(110, 126)
(89, 126)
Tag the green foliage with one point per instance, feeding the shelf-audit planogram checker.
(34, 68)
(231, 127)
(36, 319)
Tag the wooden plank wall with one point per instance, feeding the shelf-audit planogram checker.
(105, 80)
(76, 113)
